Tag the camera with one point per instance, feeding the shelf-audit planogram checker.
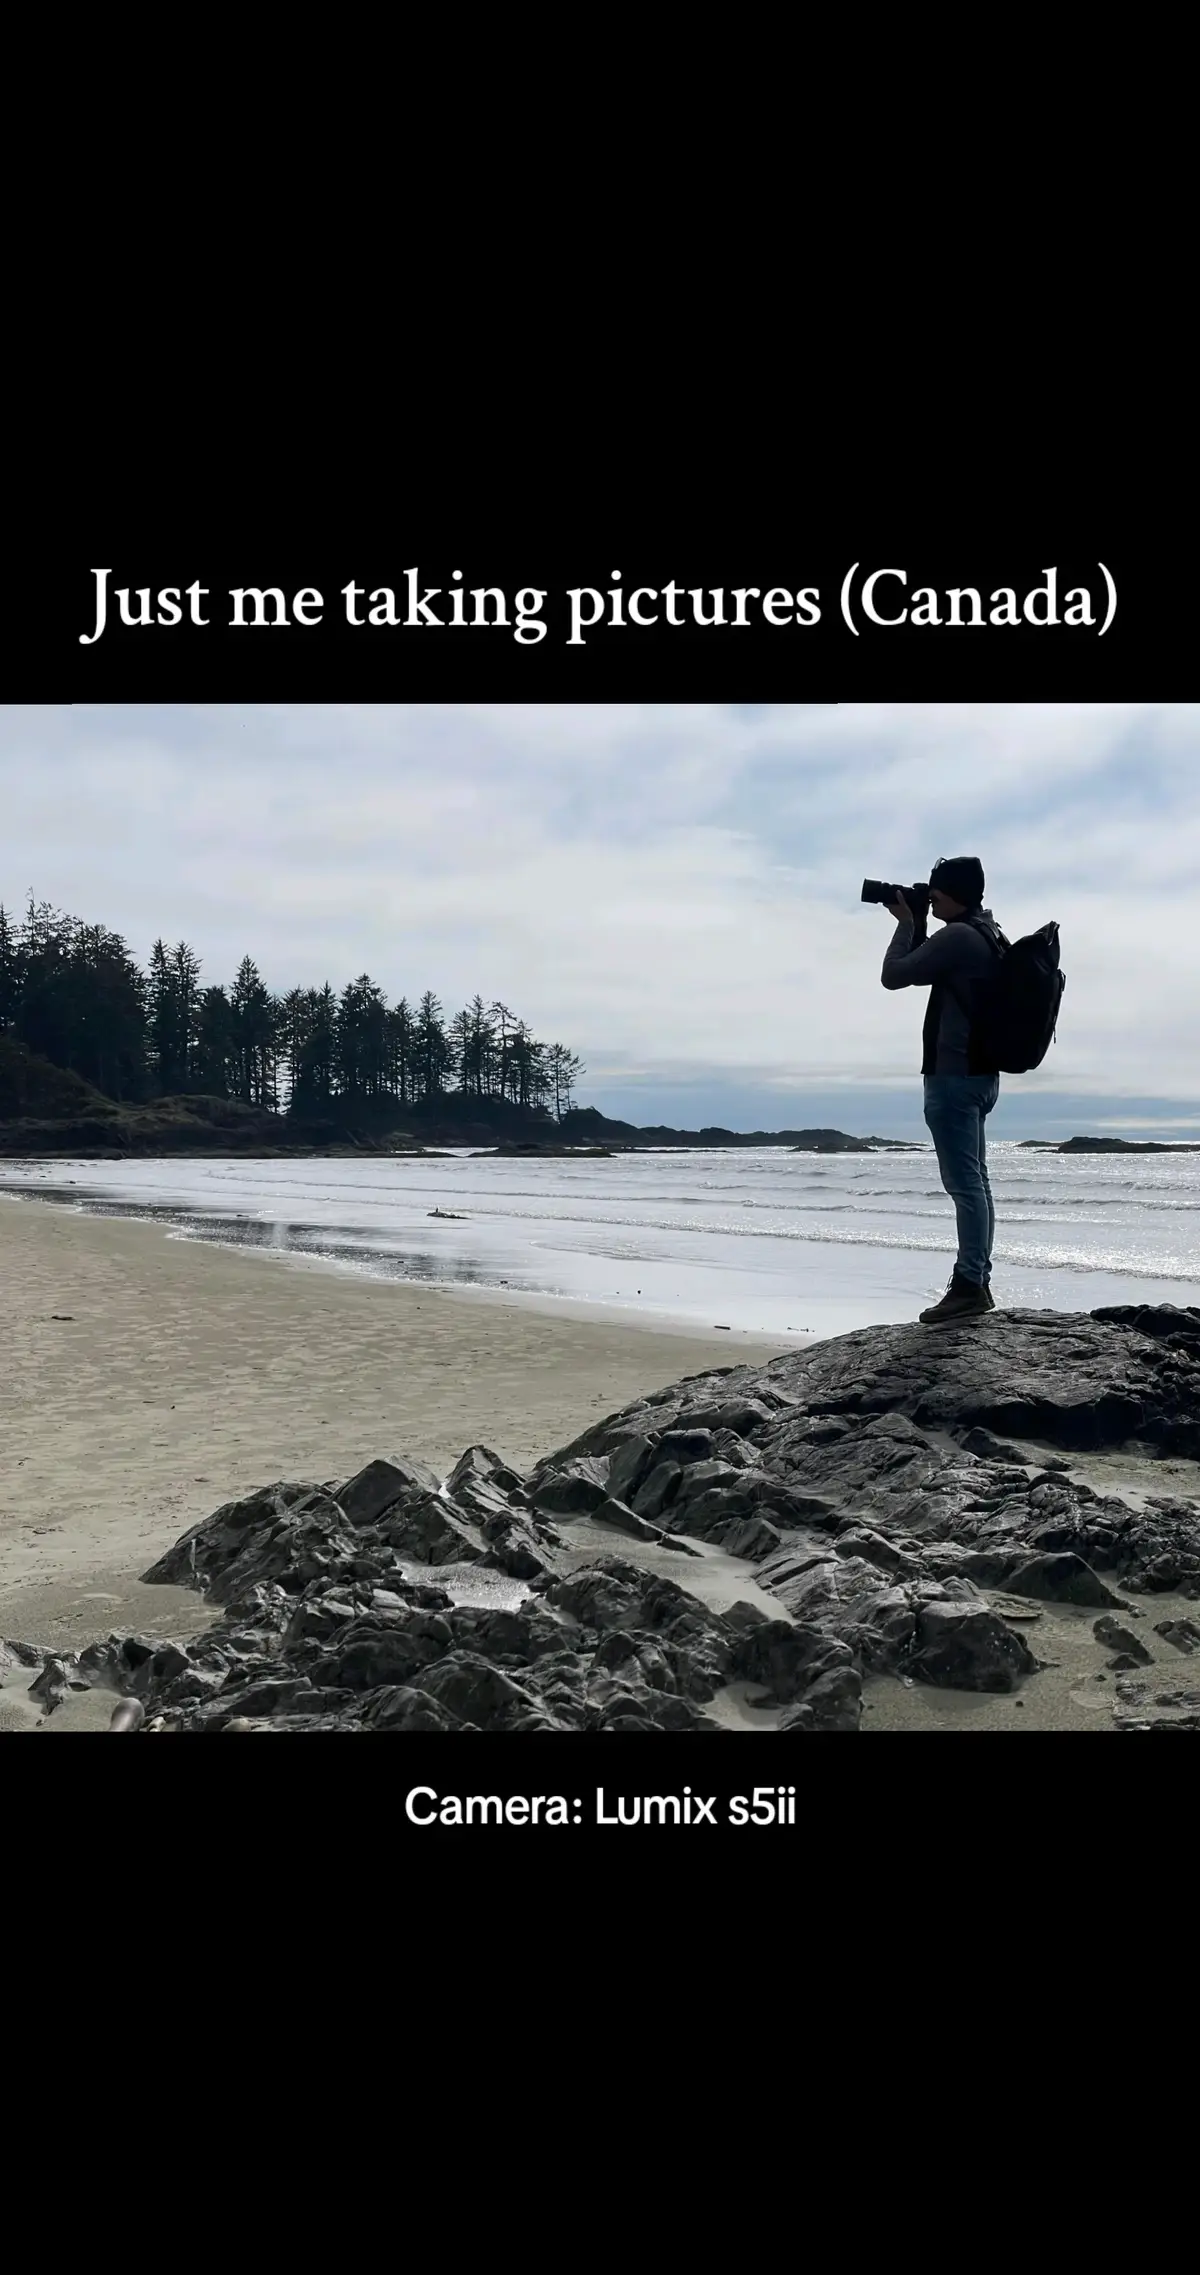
(917, 896)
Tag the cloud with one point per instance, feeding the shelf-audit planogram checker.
(666, 887)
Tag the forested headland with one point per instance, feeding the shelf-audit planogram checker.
(314, 1061)
(98, 1055)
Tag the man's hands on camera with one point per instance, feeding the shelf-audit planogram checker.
(900, 909)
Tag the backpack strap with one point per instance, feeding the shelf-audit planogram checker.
(995, 939)
(997, 942)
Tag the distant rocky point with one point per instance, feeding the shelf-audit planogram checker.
(47, 1110)
(1104, 1145)
(549, 1152)
(836, 1141)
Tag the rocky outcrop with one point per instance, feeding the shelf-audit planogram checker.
(1122, 1145)
(870, 1486)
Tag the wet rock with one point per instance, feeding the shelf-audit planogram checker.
(473, 1692)
(752, 1537)
(271, 1696)
(617, 1514)
(877, 1550)
(745, 1415)
(1122, 1640)
(727, 1446)
(1183, 1634)
(629, 1465)
(430, 1531)
(967, 1646)
(685, 1446)
(869, 1482)
(1167, 1574)
(1168, 1322)
(366, 1654)
(600, 1597)
(573, 1492)
(785, 1659)
(478, 1465)
(988, 1446)
(740, 1415)
(658, 1490)
(50, 1686)
(833, 1702)
(1061, 1579)
(402, 1708)
(710, 1512)
(365, 1496)
(743, 1614)
(16, 1655)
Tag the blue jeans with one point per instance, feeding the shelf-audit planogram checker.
(956, 1107)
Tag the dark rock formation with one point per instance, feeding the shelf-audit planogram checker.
(1121, 1145)
(861, 1481)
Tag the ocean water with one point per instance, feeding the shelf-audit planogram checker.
(756, 1239)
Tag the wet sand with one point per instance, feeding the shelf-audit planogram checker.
(177, 1375)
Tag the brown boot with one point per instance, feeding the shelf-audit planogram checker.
(964, 1299)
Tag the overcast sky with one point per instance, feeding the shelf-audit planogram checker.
(673, 890)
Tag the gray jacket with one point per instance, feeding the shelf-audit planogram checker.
(958, 955)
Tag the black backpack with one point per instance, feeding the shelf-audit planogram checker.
(1015, 1012)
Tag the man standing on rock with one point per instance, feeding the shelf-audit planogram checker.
(960, 1088)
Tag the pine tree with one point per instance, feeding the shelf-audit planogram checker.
(432, 1048)
(399, 1041)
(320, 1049)
(73, 993)
(185, 975)
(459, 1063)
(254, 1021)
(563, 1069)
(216, 1045)
(503, 1029)
(11, 970)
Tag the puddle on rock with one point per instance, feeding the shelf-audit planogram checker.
(473, 1586)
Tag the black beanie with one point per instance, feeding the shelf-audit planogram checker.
(961, 877)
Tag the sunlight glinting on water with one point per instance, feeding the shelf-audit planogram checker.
(754, 1238)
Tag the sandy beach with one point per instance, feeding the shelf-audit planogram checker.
(147, 1379)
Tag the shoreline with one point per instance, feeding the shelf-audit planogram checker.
(151, 1378)
(748, 1340)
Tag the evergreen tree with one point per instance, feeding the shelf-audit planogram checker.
(294, 1028)
(362, 1040)
(459, 1043)
(479, 1062)
(563, 1069)
(320, 1051)
(432, 1047)
(185, 974)
(173, 1016)
(108, 993)
(254, 1031)
(81, 1002)
(73, 993)
(399, 1039)
(501, 1034)
(11, 970)
(216, 1045)
(526, 1068)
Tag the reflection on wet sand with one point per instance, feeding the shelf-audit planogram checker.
(358, 1245)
